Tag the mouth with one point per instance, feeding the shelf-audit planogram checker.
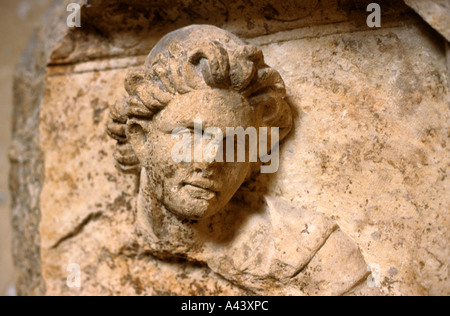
(200, 189)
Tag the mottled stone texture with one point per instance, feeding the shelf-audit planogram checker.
(27, 176)
(369, 147)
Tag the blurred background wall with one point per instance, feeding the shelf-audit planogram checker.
(18, 20)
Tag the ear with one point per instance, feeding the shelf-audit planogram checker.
(137, 133)
(275, 112)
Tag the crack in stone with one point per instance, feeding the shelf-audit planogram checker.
(301, 269)
(357, 284)
(78, 229)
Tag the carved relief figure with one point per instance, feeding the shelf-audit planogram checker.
(204, 211)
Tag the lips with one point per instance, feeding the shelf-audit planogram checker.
(201, 189)
(202, 184)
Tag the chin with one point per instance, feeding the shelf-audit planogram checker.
(197, 209)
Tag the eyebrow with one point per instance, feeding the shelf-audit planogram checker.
(190, 124)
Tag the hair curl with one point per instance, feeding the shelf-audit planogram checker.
(191, 59)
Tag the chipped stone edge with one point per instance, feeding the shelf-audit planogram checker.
(447, 52)
(26, 157)
(420, 6)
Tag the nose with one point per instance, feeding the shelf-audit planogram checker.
(206, 162)
(205, 169)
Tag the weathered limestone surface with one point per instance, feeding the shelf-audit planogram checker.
(447, 48)
(26, 156)
(369, 148)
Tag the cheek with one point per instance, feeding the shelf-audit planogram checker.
(159, 158)
(158, 147)
(236, 172)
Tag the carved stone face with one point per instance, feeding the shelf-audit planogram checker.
(194, 190)
(196, 73)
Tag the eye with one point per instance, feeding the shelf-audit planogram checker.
(233, 142)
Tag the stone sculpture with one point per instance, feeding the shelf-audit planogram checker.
(204, 211)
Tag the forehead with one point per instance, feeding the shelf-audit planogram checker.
(216, 108)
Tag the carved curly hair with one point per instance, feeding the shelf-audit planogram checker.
(194, 58)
